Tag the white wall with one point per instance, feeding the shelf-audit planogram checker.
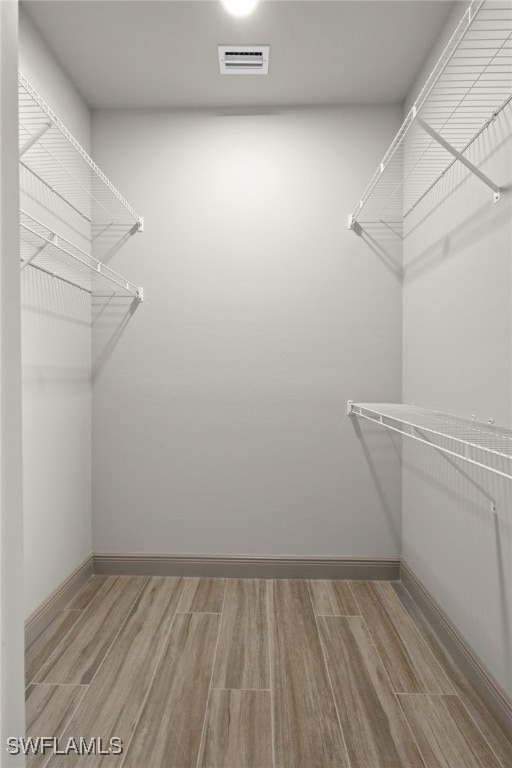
(458, 356)
(56, 355)
(39, 65)
(219, 404)
(454, 17)
(12, 719)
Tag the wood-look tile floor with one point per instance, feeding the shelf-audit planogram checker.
(244, 673)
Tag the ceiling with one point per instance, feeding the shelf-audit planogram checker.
(163, 53)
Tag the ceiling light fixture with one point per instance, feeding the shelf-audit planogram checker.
(240, 8)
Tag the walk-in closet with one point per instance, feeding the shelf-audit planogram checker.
(256, 383)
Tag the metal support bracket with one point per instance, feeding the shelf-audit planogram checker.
(473, 168)
(35, 137)
(140, 295)
(350, 412)
(27, 262)
(140, 224)
(353, 224)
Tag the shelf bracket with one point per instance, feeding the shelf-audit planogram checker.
(473, 168)
(35, 137)
(27, 262)
(353, 224)
(140, 224)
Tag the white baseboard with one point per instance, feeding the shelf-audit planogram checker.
(248, 566)
(460, 650)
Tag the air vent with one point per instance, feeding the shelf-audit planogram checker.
(244, 59)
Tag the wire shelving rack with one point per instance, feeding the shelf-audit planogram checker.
(45, 250)
(469, 86)
(52, 157)
(483, 445)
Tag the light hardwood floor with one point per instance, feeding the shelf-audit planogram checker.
(232, 673)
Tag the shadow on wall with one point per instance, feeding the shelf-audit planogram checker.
(474, 228)
(55, 333)
(110, 318)
(47, 296)
(109, 238)
(41, 201)
(373, 454)
(466, 224)
(464, 500)
(385, 240)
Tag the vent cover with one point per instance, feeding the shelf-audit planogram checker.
(244, 59)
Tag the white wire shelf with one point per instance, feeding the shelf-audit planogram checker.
(50, 153)
(470, 84)
(43, 249)
(483, 445)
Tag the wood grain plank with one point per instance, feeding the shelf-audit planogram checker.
(499, 741)
(306, 728)
(242, 656)
(169, 729)
(238, 732)
(48, 709)
(88, 592)
(38, 653)
(446, 735)
(116, 695)
(375, 729)
(410, 665)
(78, 657)
(202, 595)
(332, 598)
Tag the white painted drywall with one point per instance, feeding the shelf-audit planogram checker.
(56, 356)
(455, 15)
(39, 65)
(219, 403)
(12, 709)
(457, 356)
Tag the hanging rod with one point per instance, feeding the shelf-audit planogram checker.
(52, 154)
(469, 86)
(43, 248)
(466, 438)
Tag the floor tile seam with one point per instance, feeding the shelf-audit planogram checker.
(88, 685)
(67, 723)
(430, 653)
(343, 615)
(461, 696)
(391, 687)
(218, 688)
(331, 687)
(472, 719)
(203, 730)
(269, 588)
(129, 607)
(67, 608)
(63, 685)
(409, 726)
(165, 643)
(121, 627)
(43, 665)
